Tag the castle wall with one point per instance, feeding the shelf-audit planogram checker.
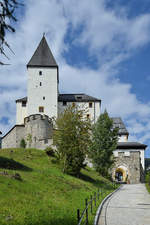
(132, 164)
(13, 137)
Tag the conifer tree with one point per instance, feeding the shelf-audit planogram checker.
(104, 142)
(72, 139)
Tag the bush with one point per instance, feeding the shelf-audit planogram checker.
(22, 143)
(147, 178)
(50, 151)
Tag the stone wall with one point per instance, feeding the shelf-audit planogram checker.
(13, 137)
(131, 163)
(40, 128)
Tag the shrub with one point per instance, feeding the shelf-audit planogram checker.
(147, 178)
(22, 143)
(50, 151)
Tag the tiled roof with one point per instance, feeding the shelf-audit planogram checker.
(43, 56)
(117, 122)
(70, 98)
(22, 99)
(130, 145)
(77, 98)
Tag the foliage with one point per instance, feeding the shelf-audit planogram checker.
(7, 9)
(22, 143)
(45, 196)
(50, 151)
(29, 140)
(72, 139)
(104, 142)
(147, 178)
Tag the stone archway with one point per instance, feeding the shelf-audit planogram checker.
(121, 174)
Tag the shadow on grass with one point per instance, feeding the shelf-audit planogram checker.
(56, 221)
(97, 183)
(6, 163)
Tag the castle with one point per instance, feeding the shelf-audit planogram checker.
(35, 113)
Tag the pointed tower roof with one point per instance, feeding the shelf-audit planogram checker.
(42, 56)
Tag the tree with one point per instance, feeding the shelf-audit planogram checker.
(72, 139)
(104, 142)
(22, 143)
(7, 9)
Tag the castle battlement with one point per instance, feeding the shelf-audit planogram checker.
(37, 117)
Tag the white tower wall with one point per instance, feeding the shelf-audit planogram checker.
(42, 91)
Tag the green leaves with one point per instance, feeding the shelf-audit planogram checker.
(72, 139)
(104, 142)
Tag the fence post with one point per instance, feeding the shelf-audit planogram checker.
(78, 215)
(91, 204)
(98, 194)
(95, 198)
(86, 205)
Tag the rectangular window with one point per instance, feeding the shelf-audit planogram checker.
(43, 97)
(41, 109)
(40, 83)
(90, 104)
(40, 72)
(23, 104)
(64, 103)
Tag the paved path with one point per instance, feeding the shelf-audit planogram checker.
(129, 206)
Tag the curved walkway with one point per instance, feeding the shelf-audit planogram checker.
(129, 206)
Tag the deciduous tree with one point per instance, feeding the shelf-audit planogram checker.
(72, 139)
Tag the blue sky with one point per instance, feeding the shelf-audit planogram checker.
(102, 49)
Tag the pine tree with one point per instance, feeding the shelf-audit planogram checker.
(72, 139)
(104, 142)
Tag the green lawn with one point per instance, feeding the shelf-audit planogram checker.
(44, 196)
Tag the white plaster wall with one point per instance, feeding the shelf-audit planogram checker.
(142, 152)
(21, 113)
(49, 90)
(123, 138)
(94, 112)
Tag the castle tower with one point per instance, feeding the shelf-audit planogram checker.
(43, 81)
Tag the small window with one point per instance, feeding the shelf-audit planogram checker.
(43, 97)
(45, 141)
(88, 116)
(64, 103)
(40, 83)
(41, 109)
(40, 72)
(90, 105)
(23, 104)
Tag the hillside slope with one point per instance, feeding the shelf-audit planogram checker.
(44, 195)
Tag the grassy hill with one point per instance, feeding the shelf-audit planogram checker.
(43, 195)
